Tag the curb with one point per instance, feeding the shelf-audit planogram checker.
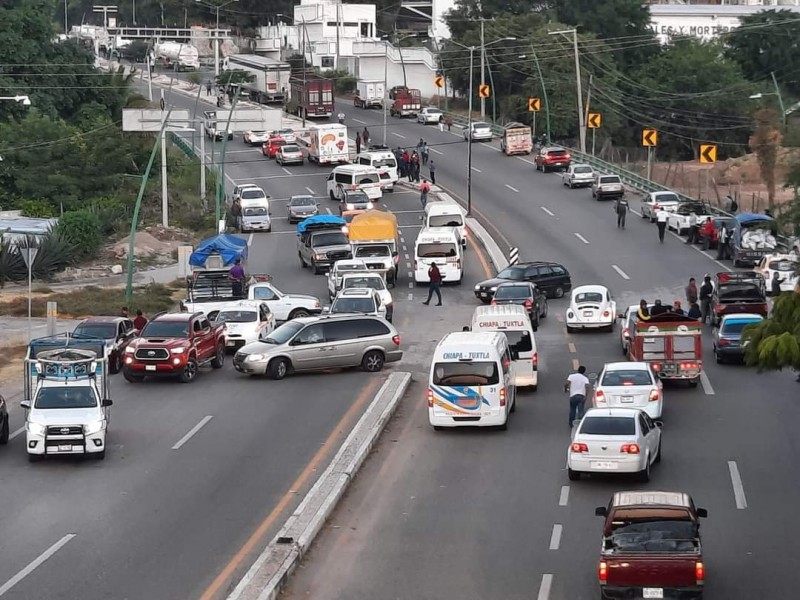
(271, 570)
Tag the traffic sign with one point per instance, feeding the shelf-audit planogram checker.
(439, 81)
(534, 104)
(29, 256)
(649, 137)
(595, 120)
(708, 153)
(484, 91)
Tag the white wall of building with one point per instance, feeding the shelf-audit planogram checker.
(705, 22)
(419, 63)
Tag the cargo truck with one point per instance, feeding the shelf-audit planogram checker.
(369, 94)
(312, 96)
(181, 57)
(407, 102)
(271, 85)
(328, 144)
(517, 139)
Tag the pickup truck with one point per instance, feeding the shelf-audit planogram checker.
(176, 345)
(651, 546)
(321, 242)
(734, 293)
(284, 306)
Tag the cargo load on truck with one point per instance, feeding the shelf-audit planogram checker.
(516, 139)
(671, 344)
(271, 85)
(311, 96)
(328, 144)
(369, 93)
(374, 239)
(754, 236)
(181, 57)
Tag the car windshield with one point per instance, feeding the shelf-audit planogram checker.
(783, 265)
(367, 178)
(436, 250)
(433, 111)
(445, 221)
(374, 282)
(356, 198)
(384, 162)
(740, 291)
(698, 209)
(626, 377)
(736, 327)
(333, 238)
(104, 331)
(608, 426)
(237, 316)
(557, 153)
(166, 329)
(289, 148)
(480, 125)
(512, 292)
(255, 211)
(353, 305)
(307, 201)
(519, 341)
(65, 397)
(277, 143)
(252, 194)
(612, 179)
(284, 333)
(516, 273)
(583, 170)
(588, 297)
(666, 198)
(372, 251)
(465, 373)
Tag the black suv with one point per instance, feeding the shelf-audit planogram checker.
(526, 294)
(551, 278)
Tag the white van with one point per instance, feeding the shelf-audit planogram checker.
(470, 381)
(386, 164)
(440, 245)
(354, 177)
(514, 322)
(446, 214)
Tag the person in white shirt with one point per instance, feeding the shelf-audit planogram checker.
(578, 387)
(692, 228)
(661, 222)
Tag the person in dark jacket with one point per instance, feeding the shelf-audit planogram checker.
(676, 308)
(705, 298)
(775, 285)
(658, 309)
(694, 311)
(436, 282)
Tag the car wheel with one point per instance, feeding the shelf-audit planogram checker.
(438, 428)
(299, 313)
(35, 458)
(372, 361)
(558, 292)
(332, 197)
(544, 312)
(302, 262)
(573, 475)
(115, 363)
(571, 185)
(693, 382)
(657, 459)
(132, 377)
(278, 368)
(315, 269)
(570, 329)
(4, 432)
(644, 474)
(719, 358)
(219, 358)
(189, 372)
(504, 426)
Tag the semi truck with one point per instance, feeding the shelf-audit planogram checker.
(181, 57)
(312, 96)
(369, 94)
(271, 85)
(407, 102)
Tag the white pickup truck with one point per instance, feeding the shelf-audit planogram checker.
(284, 306)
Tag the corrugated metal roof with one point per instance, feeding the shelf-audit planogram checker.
(26, 225)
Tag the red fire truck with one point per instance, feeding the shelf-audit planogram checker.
(672, 344)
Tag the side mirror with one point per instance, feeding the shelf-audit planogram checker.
(659, 424)
(326, 310)
(702, 513)
(601, 511)
(514, 355)
(107, 402)
(620, 316)
(25, 404)
(591, 376)
(395, 253)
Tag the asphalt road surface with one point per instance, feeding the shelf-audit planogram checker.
(199, 477)
(492, 515)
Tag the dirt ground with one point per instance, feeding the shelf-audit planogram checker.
(11, 364)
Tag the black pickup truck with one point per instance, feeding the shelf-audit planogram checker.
(741, 292)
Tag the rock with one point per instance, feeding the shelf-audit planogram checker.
(116, 269)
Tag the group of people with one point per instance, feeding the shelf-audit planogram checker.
(138, 322)
(362, 140)
(410, 163)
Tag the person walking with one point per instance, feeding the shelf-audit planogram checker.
(441, 123)
(208, 88)
(692, 237)
(432, 171)
(407, 164)
(448, 121)
(358, 144)
(139, 322)
(705, 298)
(424, 188)
(424, 153)
(435, 278)
(414, 167)
(722, 242)
(622, 212)
(579, 388)
(661, 222)
(691, 291)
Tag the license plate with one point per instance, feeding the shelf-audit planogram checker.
(149, 367)
(627, 398)
(587, 314)
(65, 447)
(230, 343)
(652, 592)
(606, 466)
(484, 294)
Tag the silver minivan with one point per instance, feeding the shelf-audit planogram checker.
(323, 342)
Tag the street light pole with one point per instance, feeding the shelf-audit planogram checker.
(385, 86)
(469, 138)
(780, 98)
(581, 116)
(483, 65)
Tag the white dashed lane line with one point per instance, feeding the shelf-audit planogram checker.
(738, 486)
(563, 498)
(706, 383)
(359, 121)
(435, 151)
(555, 537)
(548, 211)
(622, 273)
(545, 587)
(581, 238)
(250, 240)
(310, 191)
(16, 433)
(192, 431)
(410, 296)
(476, 169)
(398, 135)
(513, 189)
(36, 563)
(287, 171)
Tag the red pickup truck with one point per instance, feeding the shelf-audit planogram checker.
(651, 546)
(177, 345)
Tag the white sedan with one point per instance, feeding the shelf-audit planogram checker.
(679, 218)
(785, 265)
(614, 440)
(256, 137)
(631, 385)
(578, 175)
(481, 132)
(656, 201)
(245, 321)
(429, 114)
(591, 307)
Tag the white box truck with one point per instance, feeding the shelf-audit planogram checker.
(369, 93)
(328, 144)
(271, 85)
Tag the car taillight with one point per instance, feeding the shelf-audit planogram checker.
(685, 366)
(599, 397)
(699, 572)
(654, 395)
(606, 313)
(626, 333)
(723, 342)
(630, 448)
(493, 302)
(579, 447)
(528, 303)
(763, 308)
(396, 340)
(602, 571)
(430, 398)
(415, 265)
(656, 367)
(535, 359)
(353, 187)
(502, 396)
(656, 207)
(458, 263)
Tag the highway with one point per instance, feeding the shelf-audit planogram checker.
(492, 515)
(199, 477)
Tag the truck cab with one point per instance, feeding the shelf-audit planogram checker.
(739, 292)
(321, 242)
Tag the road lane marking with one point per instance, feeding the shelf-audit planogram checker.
(477, 170)
(513, 189)
(398, 135)
(575, 364)
(545, 587)
(563, 499)
(408, 265)
(37, 562)
(410, 285)
(406, 255)
(410, 274)
(572, 348)
(287, 171)
(408, 226)
(16, 433)
(548, 211)
(410, 296)
(310, 191)
(250, 240)
(706, 383)
(329, 210)
(192, 431)
(405, 212)
(581, 238)
(341, 428)
(436, 151)
(555, 537)
(360, 121)
(738, 487)
(622, 273)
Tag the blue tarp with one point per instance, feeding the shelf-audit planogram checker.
(319, 222)
(752, 218)
(229, 247)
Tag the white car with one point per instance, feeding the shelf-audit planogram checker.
(284, 306)
(481, 132)
(679, 218)
(629, 384)
(578, 175)
(628, 321)
(374, 281)
(429, 114)
(591, 307)
(785, 265)
(287, 134)
(358, 300)
(337, 271)
(256, 137)
(614, 440)
(238, 189)
(245, 321)
(290, 154)
(656, 201)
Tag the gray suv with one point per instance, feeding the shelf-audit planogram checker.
(323, 342)
(321, 245)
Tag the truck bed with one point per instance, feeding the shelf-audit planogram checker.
(652, 575)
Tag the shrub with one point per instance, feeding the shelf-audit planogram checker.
(195, 78)
(81, 228)
(343, 81)
(111, 213)
(38, 208)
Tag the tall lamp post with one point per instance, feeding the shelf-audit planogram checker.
(777, 93)
(544, 94)
(469, 117)
(25, 100)
(216, 33)
(581, 115)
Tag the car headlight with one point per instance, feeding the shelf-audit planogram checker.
(351, 206)
(570, 314)
(494, 289)
(255, 357)
(129, 350)
(95, 427)
(319, 256)
(477, 286)
(178, 350)
(35, 428)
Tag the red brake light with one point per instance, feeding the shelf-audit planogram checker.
(494, 302)
(630, 448)
(579, 447)
(656, 207)
(602, 571)
(396, 340)
(502, 396)
(654, 395)
(599, 397)
(626, 332)
(606, 313)
(688, 365)
(723, 342)
(718, 308)
(528, 303)
(699, 572)
(656, 367)
(535, 359)
(354, 187)
(430, 398)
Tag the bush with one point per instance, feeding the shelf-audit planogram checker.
(82, 229)
(111, 213)
(38, 208)
(54, 254)
(194, 78)
(343, 82)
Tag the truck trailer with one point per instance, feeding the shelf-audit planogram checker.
(271, 85)
(312, 96)
(181, 57)
(369, 94)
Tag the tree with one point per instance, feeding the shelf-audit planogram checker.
(765, 42)
(765, 141)
(775, 342)
(235, 77)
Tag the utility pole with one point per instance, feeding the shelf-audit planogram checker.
(483, 66)
(780, 98)
(164, 194)
(66, 19)
(579, 94)
(588, 105)
(469, 139)
(338, 23)
(202, 164)
(385, 86)
(303, 110)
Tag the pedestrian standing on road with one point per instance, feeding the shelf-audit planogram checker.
(406, 164)
(775, 284)
(236, 275)
(358, 144)
(139, 322)
(661, 222)
(691, 291)
(578, 387)
(435, 278)
(705, 298)
(722, 242)
(209, 88)
(414, 167)
(124, 312)
(622, 212)
(425, 153)
(692, 237)
(448, 121)
(236, 214)
(365, 137)
(432, 171)
(441, 122)
(424, 188)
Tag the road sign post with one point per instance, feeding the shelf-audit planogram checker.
(534, 105)
(594, 121)
(29, 255)
(484, 91)
(708, 153)
(649, 141)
